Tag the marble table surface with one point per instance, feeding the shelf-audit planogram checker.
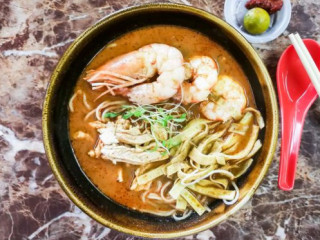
(33, 36)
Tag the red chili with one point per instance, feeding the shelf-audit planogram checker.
(271, 6)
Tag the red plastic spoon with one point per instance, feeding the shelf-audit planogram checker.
(296, 94)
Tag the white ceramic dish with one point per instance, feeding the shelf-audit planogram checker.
(234, 11)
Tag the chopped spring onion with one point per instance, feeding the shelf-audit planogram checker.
(110, 115)
(182, 118)
(169, 118)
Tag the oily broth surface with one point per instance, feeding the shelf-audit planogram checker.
(104, 173)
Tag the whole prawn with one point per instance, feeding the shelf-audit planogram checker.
(203, 73)
(229, 100)
(122, 74)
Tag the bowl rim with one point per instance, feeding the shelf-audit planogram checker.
(51, 88)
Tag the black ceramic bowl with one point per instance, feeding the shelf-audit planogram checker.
(55, 117)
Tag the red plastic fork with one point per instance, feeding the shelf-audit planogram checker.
(296, 94)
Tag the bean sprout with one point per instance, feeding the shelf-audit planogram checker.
(185, 215)
(236, 196)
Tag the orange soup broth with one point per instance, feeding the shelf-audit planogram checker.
(103, 173)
